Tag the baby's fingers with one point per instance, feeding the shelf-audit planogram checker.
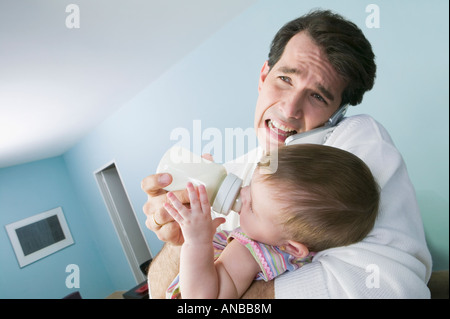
(179, 207)
(204, 202)
(174, 213)
(193, 198)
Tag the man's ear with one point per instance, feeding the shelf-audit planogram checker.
(296, 249)
(263, 74)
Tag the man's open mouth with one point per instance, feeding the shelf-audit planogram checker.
(280, 129)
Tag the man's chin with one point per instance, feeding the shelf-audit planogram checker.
(269, 143)
(269, 147)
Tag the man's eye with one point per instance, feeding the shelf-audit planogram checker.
(319, 98)
(285, 79)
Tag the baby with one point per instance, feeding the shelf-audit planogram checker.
(318, 197)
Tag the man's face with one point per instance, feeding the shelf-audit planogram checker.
(301, 92)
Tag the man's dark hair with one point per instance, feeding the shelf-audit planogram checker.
(346, 47)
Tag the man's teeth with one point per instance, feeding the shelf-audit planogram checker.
(280, 128)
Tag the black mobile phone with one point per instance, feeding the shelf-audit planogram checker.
(318, 135)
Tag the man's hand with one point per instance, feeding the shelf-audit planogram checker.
(158, 219)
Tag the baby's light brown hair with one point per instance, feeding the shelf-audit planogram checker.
(331, 197)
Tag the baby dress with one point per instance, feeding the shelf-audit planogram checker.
(271, 259)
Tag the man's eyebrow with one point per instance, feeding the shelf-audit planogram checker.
(288, 70)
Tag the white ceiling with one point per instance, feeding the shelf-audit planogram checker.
(57, 84)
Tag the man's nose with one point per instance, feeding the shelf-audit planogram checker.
(292, 106)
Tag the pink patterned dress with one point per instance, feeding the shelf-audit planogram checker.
(271, 259)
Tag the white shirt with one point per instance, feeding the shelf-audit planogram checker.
(393, 261)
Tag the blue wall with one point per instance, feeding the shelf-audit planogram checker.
(29, 189)
(217, 83)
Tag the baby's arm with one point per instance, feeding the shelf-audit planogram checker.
(200, 277)
(236, 269)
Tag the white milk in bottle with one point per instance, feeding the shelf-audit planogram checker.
(223, 189)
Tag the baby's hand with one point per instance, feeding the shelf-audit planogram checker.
(195, 222)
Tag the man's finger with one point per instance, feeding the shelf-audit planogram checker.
(218, 221)
(208, 157)
(161, 216)
(171, 233)
(153, 185)
(182, 195)
(176, 204)
(174, 213)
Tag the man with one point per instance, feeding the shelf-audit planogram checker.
(317, 64)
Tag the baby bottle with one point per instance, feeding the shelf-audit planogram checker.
(223, 189)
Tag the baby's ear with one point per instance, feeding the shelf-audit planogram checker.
(296, 249)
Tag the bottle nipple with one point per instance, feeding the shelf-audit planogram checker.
(237, 204)
(227, 194)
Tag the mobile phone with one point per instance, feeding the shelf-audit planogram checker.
(320, 134)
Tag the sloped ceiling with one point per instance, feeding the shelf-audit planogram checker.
(58, 83)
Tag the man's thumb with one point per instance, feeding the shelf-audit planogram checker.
(218, 221)
(208, 157)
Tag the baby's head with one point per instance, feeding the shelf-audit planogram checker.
(319, 196)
